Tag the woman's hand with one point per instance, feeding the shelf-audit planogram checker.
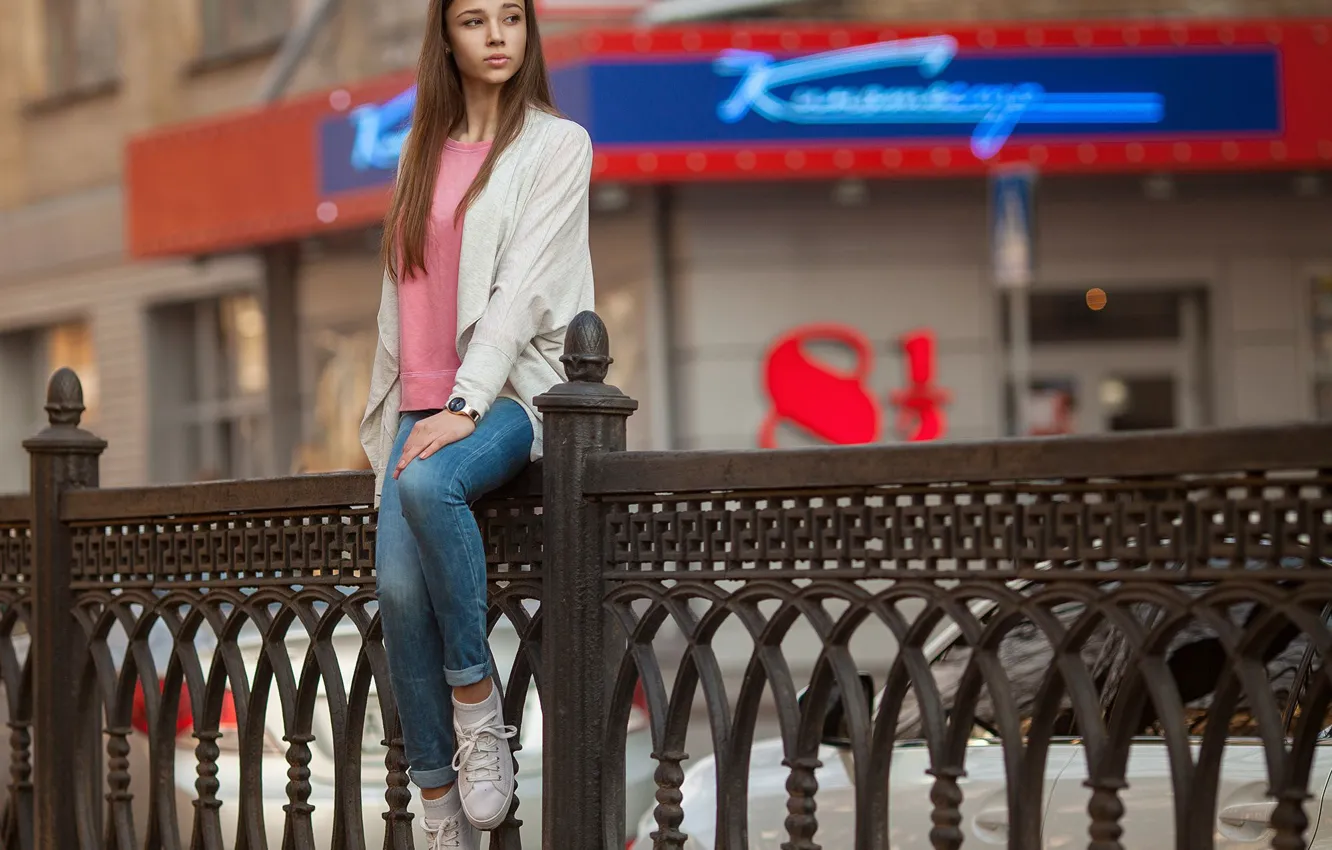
(432, 434)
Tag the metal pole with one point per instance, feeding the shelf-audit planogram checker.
(1019, 356)
(663, 367)
(1012, 214)
(278, 74)
(282, 323)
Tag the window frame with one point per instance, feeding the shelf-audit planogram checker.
(222, 31)
(77, 57)
(34, 344)
(199, 410)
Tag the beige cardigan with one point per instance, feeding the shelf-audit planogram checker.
(525, 272)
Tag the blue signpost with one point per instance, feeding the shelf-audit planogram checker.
(1012, 219)
(1011, 224)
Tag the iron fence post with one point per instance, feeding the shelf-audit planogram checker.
(63, 457)
(582, 417)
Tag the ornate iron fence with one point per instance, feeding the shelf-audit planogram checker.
(15, 673)
(1114, 642)
(1060, 610)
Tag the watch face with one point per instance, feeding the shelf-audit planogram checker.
(457, 404)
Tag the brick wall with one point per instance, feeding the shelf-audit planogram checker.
(55, 143)
(62, 252)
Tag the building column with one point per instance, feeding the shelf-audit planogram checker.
(282, 318)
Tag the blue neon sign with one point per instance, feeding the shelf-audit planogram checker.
(360, 149)
(927, 91)
(995, 109)
(912, 91)
(380, 131)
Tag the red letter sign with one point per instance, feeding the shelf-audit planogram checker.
(821, 400)
(836, 406)
(920, 416)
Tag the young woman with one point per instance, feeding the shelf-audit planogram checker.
(487, 261)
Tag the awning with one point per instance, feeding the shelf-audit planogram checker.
(783, 102)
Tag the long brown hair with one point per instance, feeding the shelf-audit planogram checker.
(438, 112)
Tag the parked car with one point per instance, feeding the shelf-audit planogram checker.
(639, 765)
(1243, 810)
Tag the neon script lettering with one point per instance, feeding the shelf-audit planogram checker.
(995, 109)
(381, 129)
(833, 404)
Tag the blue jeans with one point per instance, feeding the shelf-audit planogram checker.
(431, 577)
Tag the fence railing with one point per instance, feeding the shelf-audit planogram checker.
(1112, 642)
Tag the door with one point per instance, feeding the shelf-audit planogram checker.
(1083, 389)
(1320, 340)
(1135, 362)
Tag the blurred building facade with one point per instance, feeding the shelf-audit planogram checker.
(174, 352)
(251, 358)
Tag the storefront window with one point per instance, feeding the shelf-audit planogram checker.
(27, 359)
(231, 26)
(343, 362)
(72, 345)
(1130, 315)
(1321, 293)
(242, 333)
(1130, 359)
(82, 49)
(210, 390)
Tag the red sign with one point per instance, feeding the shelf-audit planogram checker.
(815, 397)
(1212, 95)
(598, 10)
(834, 404)
(920, 416)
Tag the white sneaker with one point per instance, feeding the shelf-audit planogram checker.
(455, 833)
(484, 763)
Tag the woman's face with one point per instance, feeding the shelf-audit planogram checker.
(488, 37)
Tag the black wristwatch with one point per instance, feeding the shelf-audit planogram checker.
(458, 404)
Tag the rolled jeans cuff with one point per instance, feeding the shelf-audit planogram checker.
(434, 778)
(469, 676)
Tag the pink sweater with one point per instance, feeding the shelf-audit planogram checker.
(428, 303)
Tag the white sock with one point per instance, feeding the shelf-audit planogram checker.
(443, 808)
(468, 713)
